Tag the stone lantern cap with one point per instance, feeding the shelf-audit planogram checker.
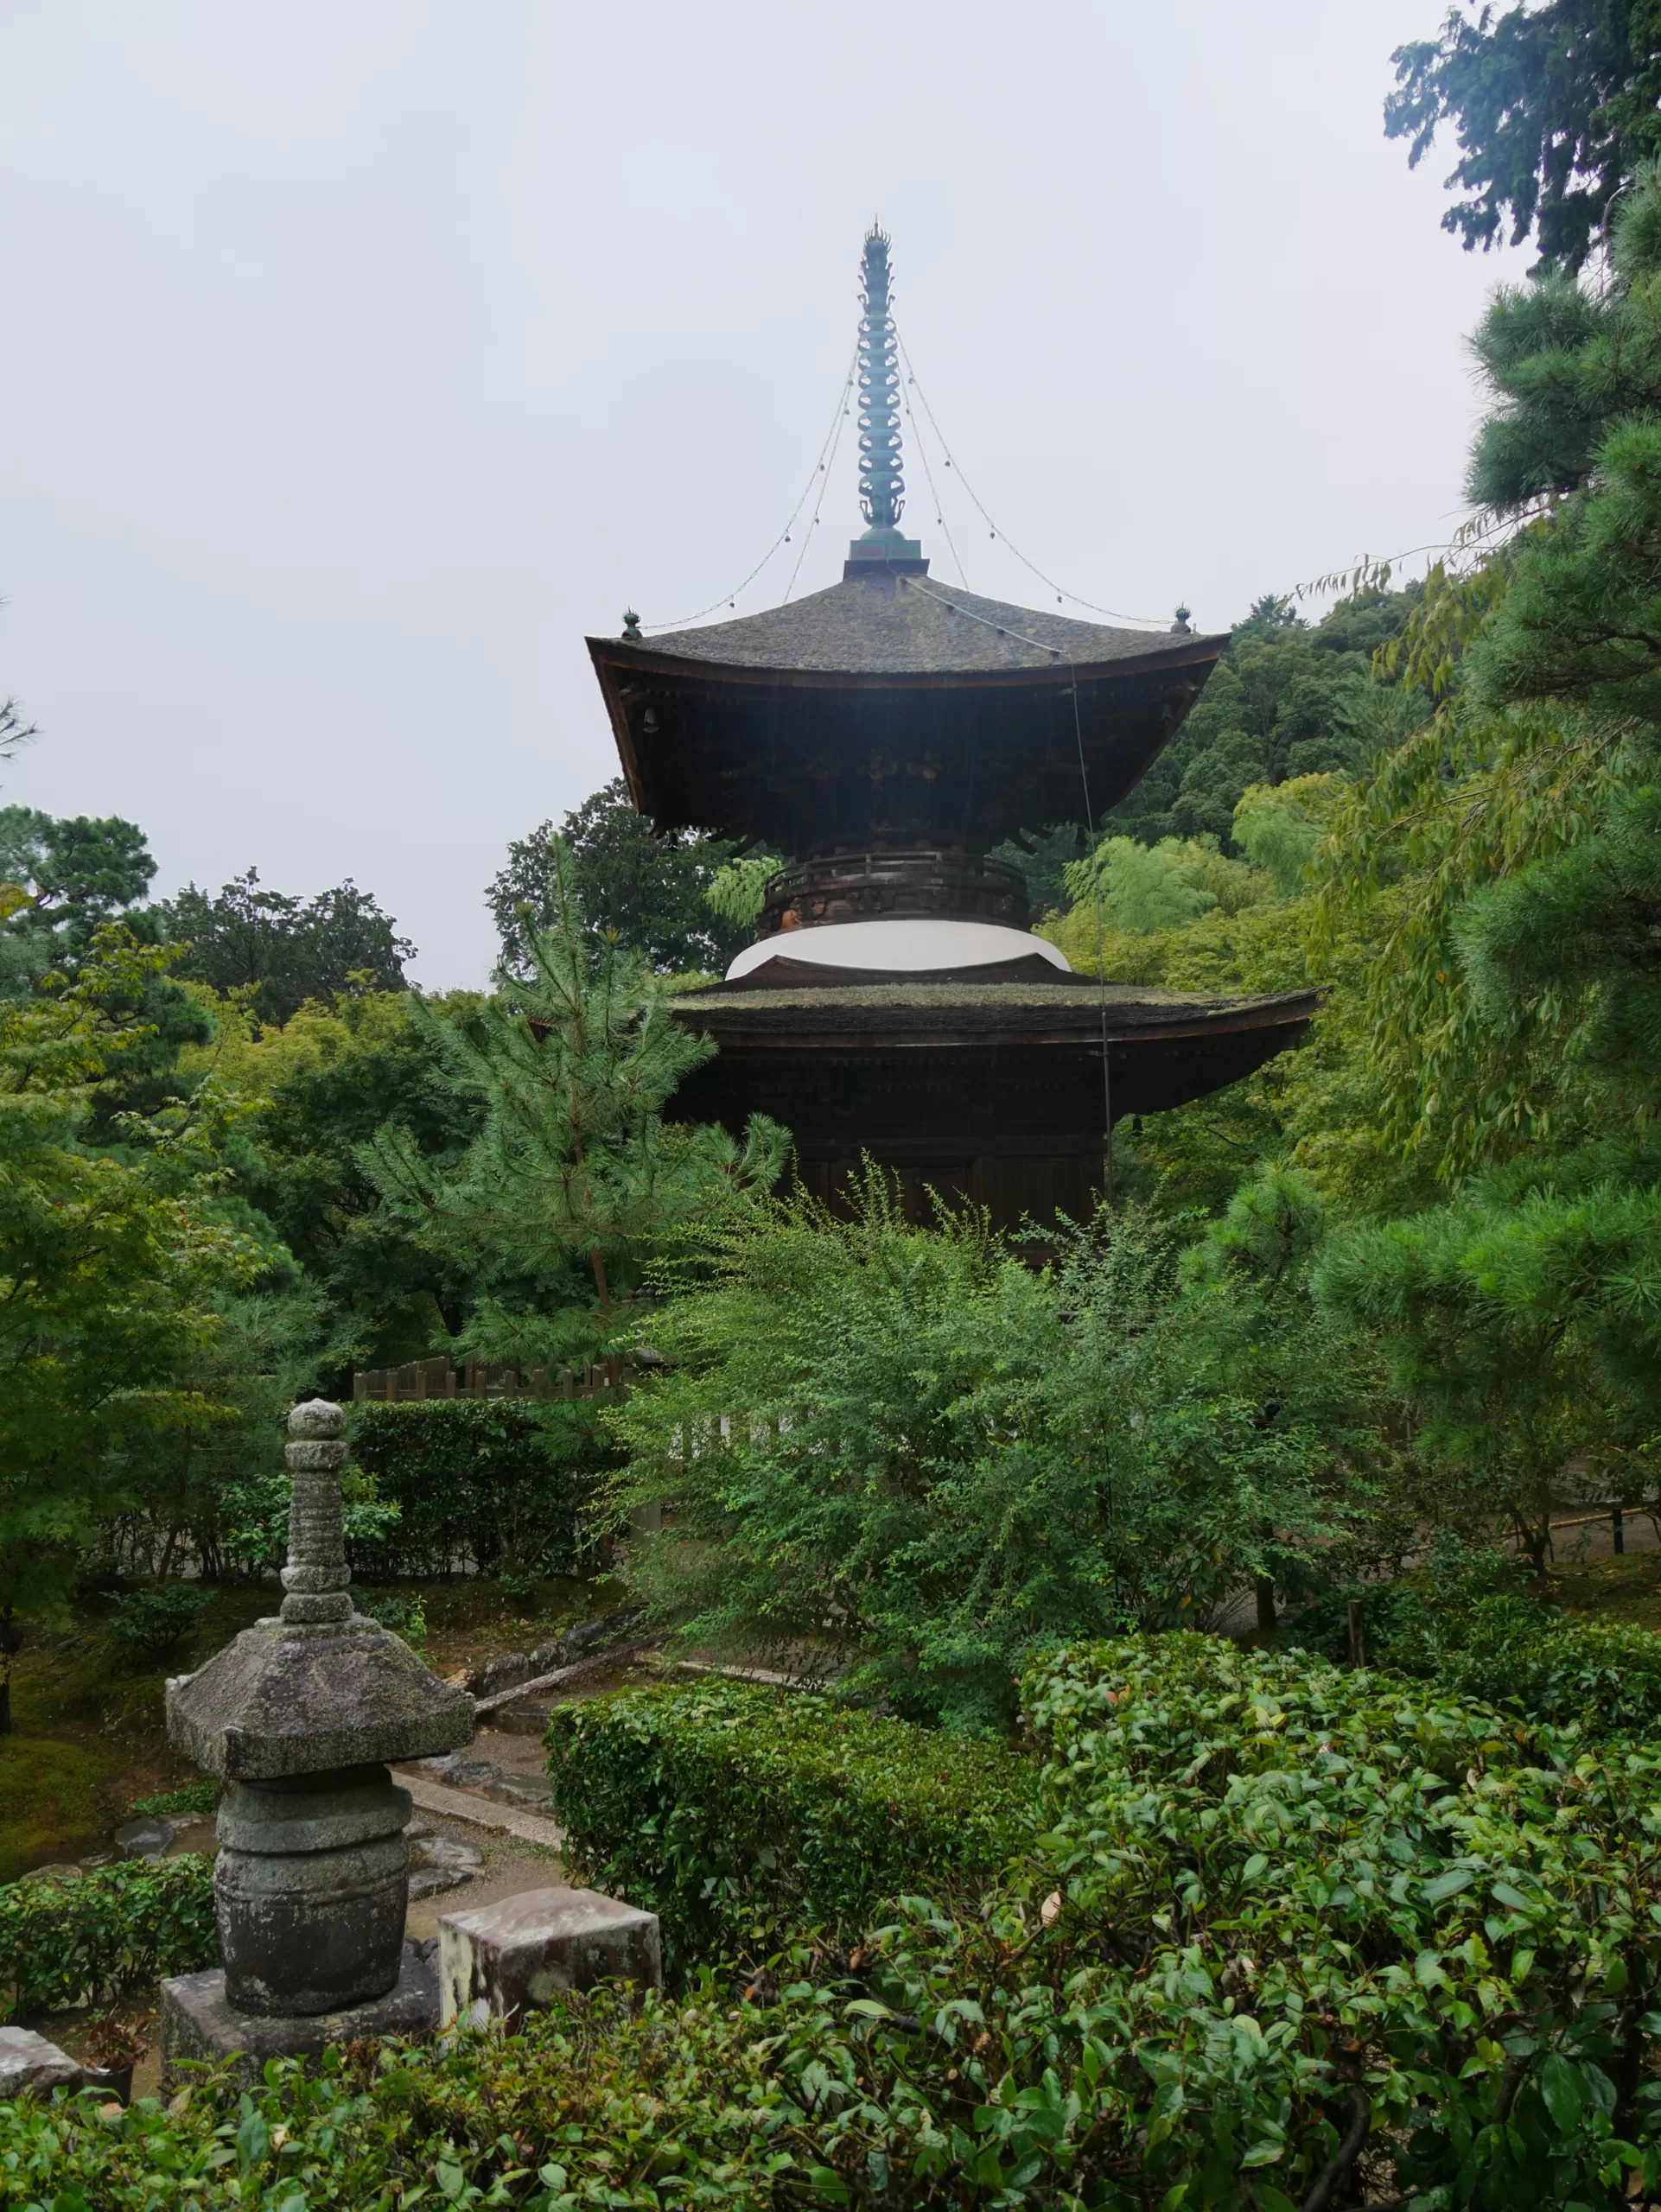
(318, 1687)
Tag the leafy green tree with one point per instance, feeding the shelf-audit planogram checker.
(79, 874)
(109, 1270)
(1519, 1323)
(283, 950)
(1546, 661)
(648, 888)
(317, 1089)
(1277, 827)
(1554, 110)
(186, 1487)
(1513, 1000)
(1285, 701)
(574, 1165)
(738, 889)
(15, 732)
(1136, 887)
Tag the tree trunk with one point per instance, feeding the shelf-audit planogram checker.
(1537, 1543)
(1265, 1605)
(11, 1643)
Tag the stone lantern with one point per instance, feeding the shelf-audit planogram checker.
(301, 1716)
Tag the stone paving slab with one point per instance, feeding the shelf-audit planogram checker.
(461, 1805)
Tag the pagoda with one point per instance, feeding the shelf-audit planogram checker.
(890, 731)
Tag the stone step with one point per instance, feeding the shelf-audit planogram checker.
(528, 1719)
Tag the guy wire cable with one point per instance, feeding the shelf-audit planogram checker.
(827, 462)
(1101, 934)
(729, 598)
(939, 507)
(1143, 621)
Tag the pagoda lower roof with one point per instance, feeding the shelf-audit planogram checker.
(888, 625)
(915, 1009)
(923, 1067)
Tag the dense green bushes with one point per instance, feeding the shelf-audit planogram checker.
(1606, 1675)
(490, 1483)
(907, 1444)
(1468, 1623)
(1288, 1890)
(1278, 1920)
(735, 1812)
(110, 1932)
(695, 2103)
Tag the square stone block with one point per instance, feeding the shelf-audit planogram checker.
(510, 1958)
(28, 2062)
(198, 2023)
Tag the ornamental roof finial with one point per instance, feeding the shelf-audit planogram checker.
(881, 485)
(882, 480)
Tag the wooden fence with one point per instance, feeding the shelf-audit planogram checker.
(420, 1379)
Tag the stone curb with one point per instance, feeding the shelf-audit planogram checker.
(463, 1805)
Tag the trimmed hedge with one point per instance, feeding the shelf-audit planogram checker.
(493, 1485)
(110, 1932)
(736, 1811)
(1467, 1624)
(1606, 1675)
(1296, 1900)
(1286, 1935)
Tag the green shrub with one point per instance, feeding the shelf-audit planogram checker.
(595, 2103)
(152, 1623)
(1467, 1622)
(405, 1617)
(114, 1929)
(1606, 1675)
(190, 1797)
(1285, 1896)
(736, 1812)
(488, 1485)
(909, 1442)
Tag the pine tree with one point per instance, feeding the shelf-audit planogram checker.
(572, 1063)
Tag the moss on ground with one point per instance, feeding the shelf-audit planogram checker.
(58, 1799)
(1627, 1588)
(89, 1730)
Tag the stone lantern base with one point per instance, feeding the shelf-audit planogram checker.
(199, 2022)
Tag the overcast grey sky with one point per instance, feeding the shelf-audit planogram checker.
(362, 355)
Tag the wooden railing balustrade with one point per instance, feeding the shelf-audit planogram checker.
(421, 1379)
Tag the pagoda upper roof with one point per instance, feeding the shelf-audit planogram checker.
(881, 713)
(900, 624)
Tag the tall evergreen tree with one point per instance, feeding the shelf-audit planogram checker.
(1518, 989)
(1284, 700)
